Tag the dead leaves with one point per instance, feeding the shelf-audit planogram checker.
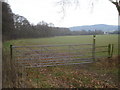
(65, 77)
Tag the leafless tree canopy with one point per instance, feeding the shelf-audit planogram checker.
(64, 3)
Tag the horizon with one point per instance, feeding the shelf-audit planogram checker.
(89, 25)
(96, 24)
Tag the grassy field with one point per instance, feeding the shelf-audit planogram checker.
(100, 40)
(101, 74)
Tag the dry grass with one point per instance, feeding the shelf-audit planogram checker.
(102, 74)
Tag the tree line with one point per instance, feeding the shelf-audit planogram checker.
(15, 26)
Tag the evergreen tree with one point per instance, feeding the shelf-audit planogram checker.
(7, 22)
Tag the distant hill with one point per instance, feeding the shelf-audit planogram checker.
(103, 27)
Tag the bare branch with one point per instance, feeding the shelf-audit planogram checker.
(66, 3)
(117, 4)
(111, 0)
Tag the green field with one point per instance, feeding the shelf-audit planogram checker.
(101, 40)
(97, 75)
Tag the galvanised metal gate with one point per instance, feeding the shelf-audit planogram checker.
(52, 55)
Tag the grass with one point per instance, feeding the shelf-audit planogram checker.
(101, 74)
(100, 40)
(73, 76)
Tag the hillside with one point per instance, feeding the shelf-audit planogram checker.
(103, 27)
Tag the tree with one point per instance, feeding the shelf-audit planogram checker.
(63, 4)
(7, 22)
(20, 21)
(22, 27)
(44, 29)
(117, 4)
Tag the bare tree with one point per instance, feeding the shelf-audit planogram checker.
(64, 3)
(117, 4)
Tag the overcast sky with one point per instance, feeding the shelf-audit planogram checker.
(103, 12)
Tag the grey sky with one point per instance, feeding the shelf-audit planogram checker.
(104, 12)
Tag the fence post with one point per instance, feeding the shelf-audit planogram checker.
(11, 52)
(11, 65)
(93, 51)
(112, 47)
(109, 46)
(110, 50)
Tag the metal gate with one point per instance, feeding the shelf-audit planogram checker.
(52, 55)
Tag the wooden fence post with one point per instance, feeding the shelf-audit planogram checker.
(13, 70)
(11, 52)
(109, 45)
(93, 51)
(110, 50)
(112, 47)
(11, 65)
